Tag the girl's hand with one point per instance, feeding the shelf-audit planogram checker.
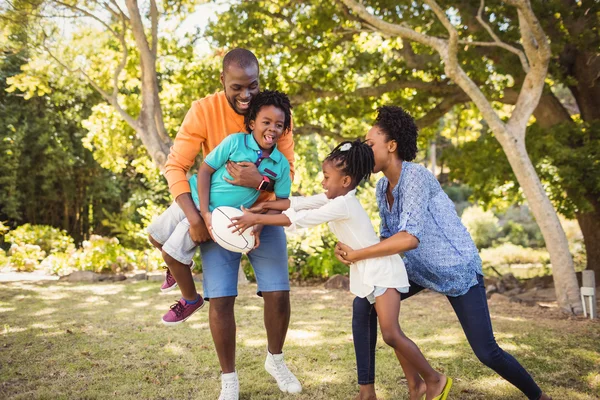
(344, 253)
(240, 224)
(258, 208)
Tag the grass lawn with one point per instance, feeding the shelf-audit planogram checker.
(95, 341)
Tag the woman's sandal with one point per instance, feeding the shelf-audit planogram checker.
(447, 387)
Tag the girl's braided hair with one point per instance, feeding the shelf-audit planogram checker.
(270, 98)
(353, 158)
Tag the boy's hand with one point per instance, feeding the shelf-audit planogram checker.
(200, 232)
(240, 224)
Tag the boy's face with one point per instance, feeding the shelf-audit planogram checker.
(240, 85)
(267, 128)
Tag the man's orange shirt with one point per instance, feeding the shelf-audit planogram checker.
(206, 124)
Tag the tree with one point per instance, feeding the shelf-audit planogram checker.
(511, 133)
(134, 32)
(342, 60)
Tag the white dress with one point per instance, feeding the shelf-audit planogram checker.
(351, 224)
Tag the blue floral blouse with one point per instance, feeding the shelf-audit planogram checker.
(446, 259)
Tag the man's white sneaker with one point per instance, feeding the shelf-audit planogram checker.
(230, 387)
(287, 382)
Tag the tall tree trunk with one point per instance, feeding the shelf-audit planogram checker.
(511, 134)
(565, 281)
(589, 222)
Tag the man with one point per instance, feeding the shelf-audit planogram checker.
(206, 124)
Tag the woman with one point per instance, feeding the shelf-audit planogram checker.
(418, 219)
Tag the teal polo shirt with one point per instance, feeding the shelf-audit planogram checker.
(240, 147)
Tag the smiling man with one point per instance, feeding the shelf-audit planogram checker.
(206, 124)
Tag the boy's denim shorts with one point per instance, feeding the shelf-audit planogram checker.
(219, 266)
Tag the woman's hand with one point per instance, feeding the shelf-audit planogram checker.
(241, 223)
(344, 253)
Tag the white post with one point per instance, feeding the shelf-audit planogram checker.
(588, 293)
(433, 158)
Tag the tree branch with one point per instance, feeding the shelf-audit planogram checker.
(538, 52)
(111, 99)
(393, 29)
(309, 129)
(440, 88)
(154, 26)
(441, 109)
(497, 41)
(87, 14)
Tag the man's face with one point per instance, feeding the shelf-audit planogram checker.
(240, 86)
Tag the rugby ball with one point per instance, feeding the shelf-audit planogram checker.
(221, 219)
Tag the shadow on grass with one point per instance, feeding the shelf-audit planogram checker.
(62, 340)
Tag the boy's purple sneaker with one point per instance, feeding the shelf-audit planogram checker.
(181, 311)
(170, 283)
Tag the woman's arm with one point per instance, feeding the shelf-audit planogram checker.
(398, 243)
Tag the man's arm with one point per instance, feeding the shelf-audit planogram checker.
(204, 174)
(198, 231)
(186, 146)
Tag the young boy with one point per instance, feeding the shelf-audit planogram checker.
(268, 119)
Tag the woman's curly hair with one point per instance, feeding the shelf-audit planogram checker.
(398, 125)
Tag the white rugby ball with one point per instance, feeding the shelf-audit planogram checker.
(221, 219)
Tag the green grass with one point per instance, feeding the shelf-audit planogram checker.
(97, 341)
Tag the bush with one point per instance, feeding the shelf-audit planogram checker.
(482, 225)
(514, 233)
(3, 259)
(101, 254)
(509, 254)
(58, 264)
(312, 256)
(25, 257)
(49, 239)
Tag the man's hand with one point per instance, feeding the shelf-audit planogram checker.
(241, 223)
(244, 174)
(344, 253)
(256, 233)
(200, 231)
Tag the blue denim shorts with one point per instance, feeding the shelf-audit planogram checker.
(269, 261)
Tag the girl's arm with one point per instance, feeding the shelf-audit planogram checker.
(204, 174)
(249, 219)
(277, 205)
(398, 243)
(332, 211)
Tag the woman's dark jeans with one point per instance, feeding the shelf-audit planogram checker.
(472, 311)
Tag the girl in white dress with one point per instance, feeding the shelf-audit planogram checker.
(343, 169)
